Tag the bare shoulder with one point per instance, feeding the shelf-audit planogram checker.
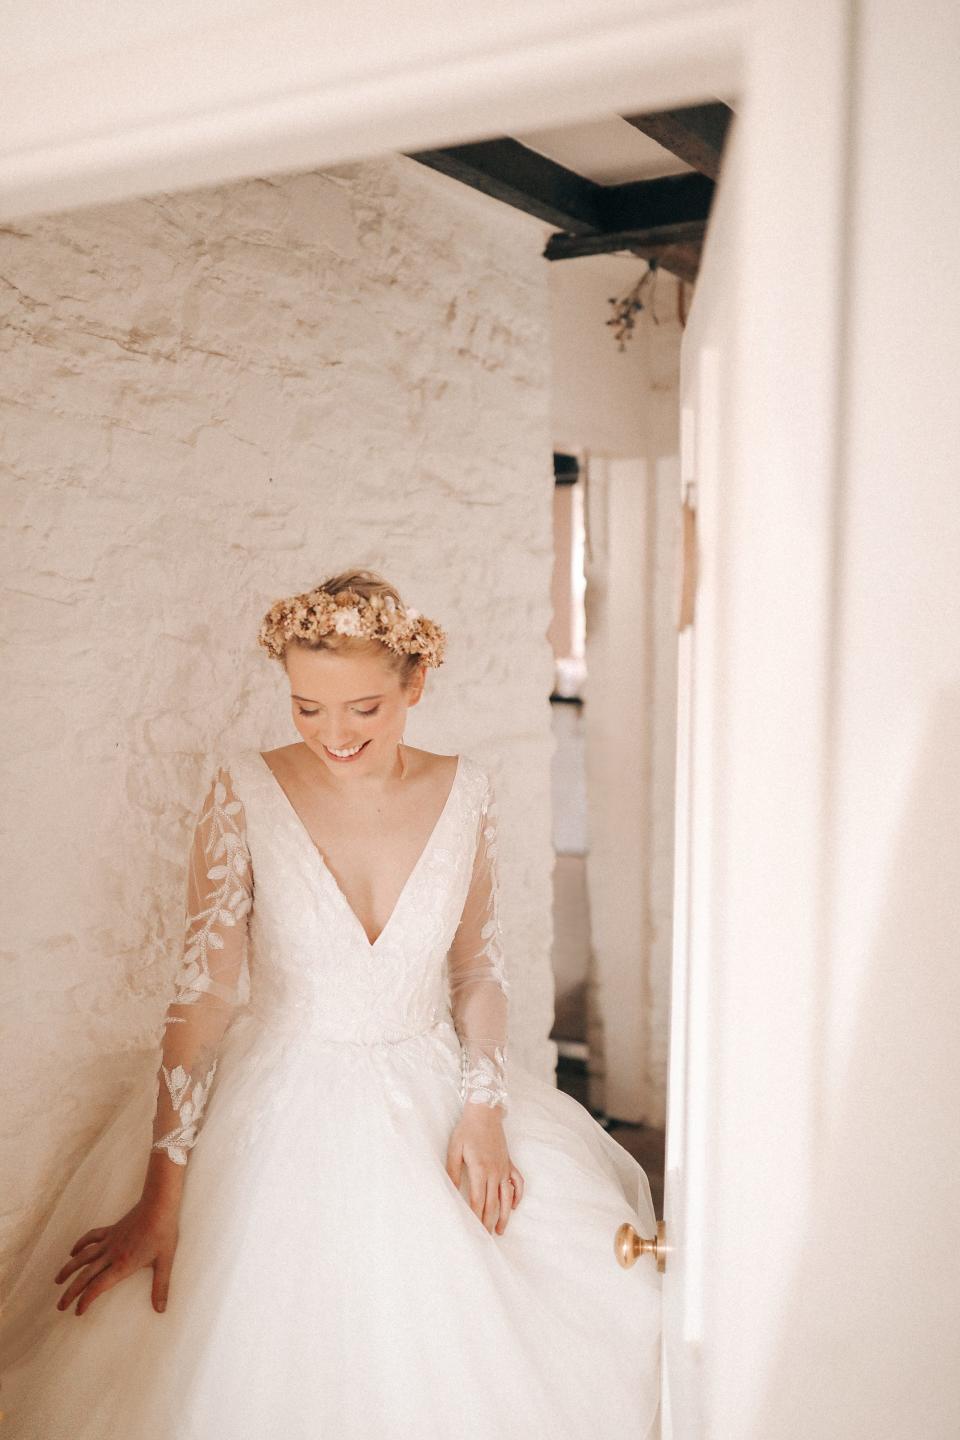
(282, 756)
(429, 765)
(283, 749)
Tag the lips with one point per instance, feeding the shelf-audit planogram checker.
(346, 759)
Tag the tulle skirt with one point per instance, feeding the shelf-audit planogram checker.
(331, 1283)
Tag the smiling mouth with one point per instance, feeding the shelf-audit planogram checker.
(343, 756)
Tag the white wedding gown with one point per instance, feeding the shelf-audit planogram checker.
(331, 1282)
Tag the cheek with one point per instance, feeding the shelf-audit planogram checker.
(388, 722)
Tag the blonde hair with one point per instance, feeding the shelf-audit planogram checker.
(351, 612)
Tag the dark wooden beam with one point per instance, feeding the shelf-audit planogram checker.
(681, 256)
(656, 206)
(517, 175)
(695, 134)
(568, 247)
(663, 219)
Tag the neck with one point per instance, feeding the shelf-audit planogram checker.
(396, 769)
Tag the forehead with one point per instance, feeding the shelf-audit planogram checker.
(334, 676)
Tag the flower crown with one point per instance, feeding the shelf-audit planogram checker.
(316, 612)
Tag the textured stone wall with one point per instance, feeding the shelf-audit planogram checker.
(209, 400)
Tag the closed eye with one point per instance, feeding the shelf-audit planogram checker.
(356, 712)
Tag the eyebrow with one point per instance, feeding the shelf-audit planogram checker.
(346, 702)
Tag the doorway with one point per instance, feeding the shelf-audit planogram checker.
(669, 56)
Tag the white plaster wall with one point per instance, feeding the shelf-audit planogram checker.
(608, 401)
(211, 399)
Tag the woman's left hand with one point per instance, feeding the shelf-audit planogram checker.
(496, 1185)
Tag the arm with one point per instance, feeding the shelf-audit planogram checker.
(477, 984)
(212, 980)
(478, 1006)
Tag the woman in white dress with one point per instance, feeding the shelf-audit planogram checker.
(359, 1217)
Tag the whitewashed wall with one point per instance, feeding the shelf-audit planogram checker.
(210, 399)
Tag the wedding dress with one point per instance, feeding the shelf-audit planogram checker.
(330, 1281)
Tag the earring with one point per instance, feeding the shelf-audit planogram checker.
(403, 761)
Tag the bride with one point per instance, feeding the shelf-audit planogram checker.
(344, 1209)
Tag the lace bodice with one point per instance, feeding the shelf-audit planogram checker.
(269, 933)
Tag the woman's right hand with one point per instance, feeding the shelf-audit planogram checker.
(146, 1235)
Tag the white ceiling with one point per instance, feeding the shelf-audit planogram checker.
(609, 150)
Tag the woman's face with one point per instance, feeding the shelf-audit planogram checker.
(343, 701)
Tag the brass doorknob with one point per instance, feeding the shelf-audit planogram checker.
(627, 1245)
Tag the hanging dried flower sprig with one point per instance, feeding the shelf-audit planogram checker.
(315, 613)
(626, 309)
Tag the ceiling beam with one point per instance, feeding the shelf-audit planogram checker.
(663, 219)
(695, 134)
(656, 207)
(520, 177)
(680, 255)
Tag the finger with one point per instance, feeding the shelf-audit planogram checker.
(80, 1281)
(161, 1283)
(105, 1279)
(491, 1204)
(68, 1266)
(455, 1164)
(89, 1237)
(518, 1183)
(506, 1204)
(478, 1193)
(72, 1291)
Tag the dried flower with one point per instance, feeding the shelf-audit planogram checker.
(316, 613)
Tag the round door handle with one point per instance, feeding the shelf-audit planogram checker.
(628, 1245)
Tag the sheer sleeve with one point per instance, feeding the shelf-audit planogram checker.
(477, 984)
(212, 980)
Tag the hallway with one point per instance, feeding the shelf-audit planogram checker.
(643, 1142)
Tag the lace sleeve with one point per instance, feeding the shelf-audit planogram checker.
(212, 980)
(477, 984)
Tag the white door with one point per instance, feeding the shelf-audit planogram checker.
(751, 1341)
(705, 363)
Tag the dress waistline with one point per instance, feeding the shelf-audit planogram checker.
(392, 1035)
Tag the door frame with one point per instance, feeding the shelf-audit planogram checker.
(790, 69)
(149, 112)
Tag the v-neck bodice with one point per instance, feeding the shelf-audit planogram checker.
(313, 967)
(328, 873)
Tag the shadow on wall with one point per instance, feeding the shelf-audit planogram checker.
(895, 1115)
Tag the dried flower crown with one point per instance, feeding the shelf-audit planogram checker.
(314, 613)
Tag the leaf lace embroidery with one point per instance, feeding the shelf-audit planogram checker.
(478, 986)
(212, 979)
(482, 1080)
